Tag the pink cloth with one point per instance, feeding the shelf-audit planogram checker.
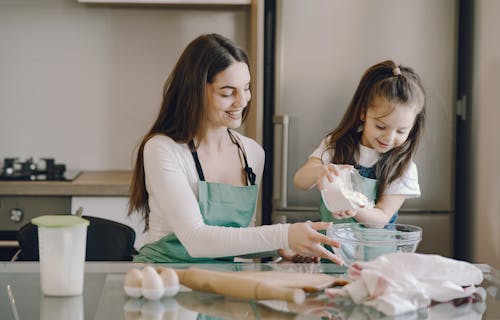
(398, 283)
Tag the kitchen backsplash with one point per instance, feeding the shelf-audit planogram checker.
(83, 83)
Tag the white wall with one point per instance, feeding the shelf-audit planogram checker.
(82, 83)
(487, 133)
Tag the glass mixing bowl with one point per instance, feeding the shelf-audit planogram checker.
(366, 241)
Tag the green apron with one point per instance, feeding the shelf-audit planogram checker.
(220, 205)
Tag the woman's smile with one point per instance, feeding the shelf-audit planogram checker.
(235, 114)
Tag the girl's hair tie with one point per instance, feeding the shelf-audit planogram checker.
(396, 71)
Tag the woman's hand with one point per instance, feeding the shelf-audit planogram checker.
(291, 256)
(305, 240)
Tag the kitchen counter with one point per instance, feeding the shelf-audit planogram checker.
(88, 183)
(104, 298)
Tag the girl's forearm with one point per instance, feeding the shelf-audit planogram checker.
(307, 176)
(383, 210)
(375, 215)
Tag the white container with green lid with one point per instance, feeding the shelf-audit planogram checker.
(59, 221)
(62, 242)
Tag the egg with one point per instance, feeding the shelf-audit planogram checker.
(152, 284)
(170, 281)
(133, 283)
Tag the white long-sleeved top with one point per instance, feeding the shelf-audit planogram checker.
(172, 186)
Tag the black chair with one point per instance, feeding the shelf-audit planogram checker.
(106, 241)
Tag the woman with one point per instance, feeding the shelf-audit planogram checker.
(195, 181)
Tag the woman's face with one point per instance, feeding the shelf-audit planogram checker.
(387, 125)
(228, 95)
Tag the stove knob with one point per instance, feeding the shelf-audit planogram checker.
(16, 214)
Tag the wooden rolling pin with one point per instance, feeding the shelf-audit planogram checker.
(230, 284)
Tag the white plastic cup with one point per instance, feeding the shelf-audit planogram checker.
(61, 308)
(62, 241)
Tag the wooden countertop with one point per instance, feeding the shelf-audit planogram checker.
(88, 183)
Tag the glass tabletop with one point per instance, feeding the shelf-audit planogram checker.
(104, 298)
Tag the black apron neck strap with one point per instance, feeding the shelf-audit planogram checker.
(197, 163)
(250, 174)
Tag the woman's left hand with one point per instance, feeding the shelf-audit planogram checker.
(304, 238)
(292, 256)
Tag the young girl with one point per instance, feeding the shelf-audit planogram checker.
(378, 135)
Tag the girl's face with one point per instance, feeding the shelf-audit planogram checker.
(228, 95)
(387, 125)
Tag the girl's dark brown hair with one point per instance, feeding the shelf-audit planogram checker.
(183, 107)
(397, 84)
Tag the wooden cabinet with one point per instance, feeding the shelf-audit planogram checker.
(102, 194)
(254, 46)
(174, 2)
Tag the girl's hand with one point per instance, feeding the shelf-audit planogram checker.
(291, 256)
(329, 171)
(313, 173)
(344, 214)
(305, 240)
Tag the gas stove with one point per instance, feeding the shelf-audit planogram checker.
(45, 169)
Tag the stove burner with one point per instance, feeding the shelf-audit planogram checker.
(43, 170)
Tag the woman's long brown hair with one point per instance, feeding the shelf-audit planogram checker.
(397, 84)
(182, 109)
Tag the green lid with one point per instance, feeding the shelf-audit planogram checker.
(59, 221)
